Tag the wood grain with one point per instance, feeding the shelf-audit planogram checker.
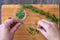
(32, 18)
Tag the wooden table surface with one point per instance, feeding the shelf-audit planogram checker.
(32, 18)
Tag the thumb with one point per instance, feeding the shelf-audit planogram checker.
(15, 28)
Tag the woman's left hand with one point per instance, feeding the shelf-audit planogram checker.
(8, 28)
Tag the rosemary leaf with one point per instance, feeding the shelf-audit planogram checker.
(53, 18)
(36, 30)
(31, 28)
(29, 31)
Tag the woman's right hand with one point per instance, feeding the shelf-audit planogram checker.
(48, 29)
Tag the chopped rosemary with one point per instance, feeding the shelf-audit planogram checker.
(36, 30)
(32, 30)
(20, 14)
(29, 31)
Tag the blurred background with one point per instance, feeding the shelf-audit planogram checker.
(30, 1)
(27, 2)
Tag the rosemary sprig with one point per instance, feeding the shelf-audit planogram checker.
(47, 14)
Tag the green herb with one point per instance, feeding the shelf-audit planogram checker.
(59, 19)
(47, 14)
(36, 30)
(20, 14)
(29, 31)
(33, 30)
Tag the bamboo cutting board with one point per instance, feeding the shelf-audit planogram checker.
(32, 18)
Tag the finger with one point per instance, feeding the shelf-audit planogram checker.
(40, 27)
(42, 31)
(48, 22)
(9, 18)
(16, 20)
(10, 21)
(15, 28)
(43, 24)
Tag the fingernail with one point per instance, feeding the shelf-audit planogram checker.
(19, 23)
(9, 18)
(41, 27)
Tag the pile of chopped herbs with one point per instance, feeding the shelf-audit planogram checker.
(20, 14)
(46, 14)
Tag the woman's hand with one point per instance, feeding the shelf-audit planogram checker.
(48, 29)
(8, 28)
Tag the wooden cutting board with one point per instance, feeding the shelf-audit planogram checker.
(32, 18)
